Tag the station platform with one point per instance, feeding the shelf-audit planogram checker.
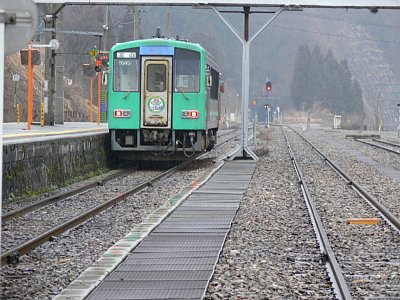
(54, 155)
(173, 253)
(14, 133)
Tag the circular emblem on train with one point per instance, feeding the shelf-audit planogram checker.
(156, 104)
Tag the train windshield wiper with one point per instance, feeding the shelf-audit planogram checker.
(183, 93)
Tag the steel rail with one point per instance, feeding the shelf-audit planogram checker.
(391, 218)
(379, 146)
(226, 141)
(12, 256)
(386, 142)
(338, 277)
(226, 133)
(60, 196)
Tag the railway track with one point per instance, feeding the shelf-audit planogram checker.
(45, 271)
(378, 172)
(381, 144)
(62, 195)
(12, 255)
(363, 259)
(77, 198)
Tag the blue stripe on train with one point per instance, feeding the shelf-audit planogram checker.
(156, 50)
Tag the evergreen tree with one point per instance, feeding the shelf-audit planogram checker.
(300, 77)
(325, 82)
(316, 82)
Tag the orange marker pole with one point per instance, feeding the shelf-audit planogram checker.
(98, 96)
(91, 99)
(30, 86)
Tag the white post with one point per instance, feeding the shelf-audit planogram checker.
(245, 94)
(254, 132)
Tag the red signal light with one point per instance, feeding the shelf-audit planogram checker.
(268, 86)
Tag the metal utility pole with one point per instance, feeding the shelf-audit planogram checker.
(244, 150)
(169, 31)
(49, 75)
(136, 23)
(59, 73)
(105, 28)
(54, 67)
(135, 12)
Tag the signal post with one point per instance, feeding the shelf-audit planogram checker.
(268, 88)
(31, 57)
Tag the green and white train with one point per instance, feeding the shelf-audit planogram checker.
(164, 99)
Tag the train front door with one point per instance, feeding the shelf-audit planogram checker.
(156, 85)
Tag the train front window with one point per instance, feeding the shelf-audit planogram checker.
(126, 72)
(156, 78)
(187, 70)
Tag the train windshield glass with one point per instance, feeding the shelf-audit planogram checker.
(187, 70)
(126, 71)
(156, 78)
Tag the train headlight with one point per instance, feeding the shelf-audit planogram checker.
(122, 113)
(190, 114)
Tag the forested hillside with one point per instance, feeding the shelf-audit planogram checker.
(323, 82)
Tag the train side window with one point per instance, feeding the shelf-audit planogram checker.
(214, 84)
(126, 72)
(187, 70)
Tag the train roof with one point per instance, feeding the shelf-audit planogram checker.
(158, 42)
(167, 42)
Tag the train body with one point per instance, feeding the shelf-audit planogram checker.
(164, 99)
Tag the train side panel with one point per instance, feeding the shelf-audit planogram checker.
(124, 92)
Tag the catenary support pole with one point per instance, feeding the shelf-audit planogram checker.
(58, 97)
(49, 74)
(30, 86)
(244, 150)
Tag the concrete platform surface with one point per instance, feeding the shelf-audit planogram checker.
(14, 133)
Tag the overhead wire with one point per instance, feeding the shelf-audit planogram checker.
(337, 34)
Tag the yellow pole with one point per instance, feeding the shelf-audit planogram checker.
(30, 86)
(18, 114)
(98, 96)
(42, 115)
